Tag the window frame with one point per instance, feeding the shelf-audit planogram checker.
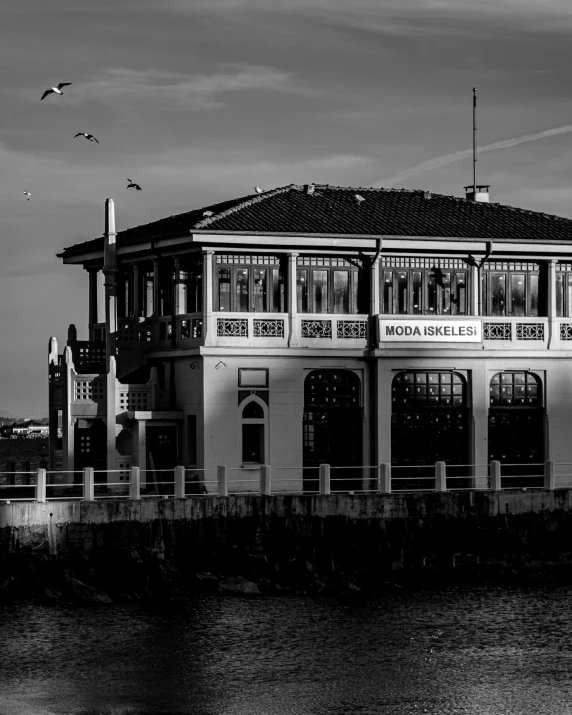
(310, 264)
(252, 263)
(408, 266)
(245, 421)
(509, 269)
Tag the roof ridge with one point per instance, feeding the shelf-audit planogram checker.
(249, 202)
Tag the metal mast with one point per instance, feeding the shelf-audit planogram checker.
(474, 143)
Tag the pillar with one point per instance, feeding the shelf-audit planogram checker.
(92, 314)
(293, 319)
(140, 444)
(110, 420)
(110, 279)
(553, 324)
(374, 300)
(136, 291)
(156, 287)
(475, 304)
(209, 321)
(67, 419)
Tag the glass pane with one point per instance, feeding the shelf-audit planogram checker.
(302, 290)
(498, 294)
(402, 293)
(260, 289)
(460, 301)
(559, 295)
(446, 293)
(149, 292)
(278, 299)
(416, 292)
(517, 294)
(242, 302)
(341, 292)
(253, 443)
(569, 296)
(355, 276)
(224, 288)
(387, 292)
(253, 411)
(431, 294)
(533, 295)
(319, 291)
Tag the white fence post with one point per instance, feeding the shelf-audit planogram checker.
(440, 477)
(385, 478)
(324, 479)
(88, 484)
(135, 483)
(266, 480)
(180, 483)
(222, 476)
(41, 485)
(495, 474)
(549, 475)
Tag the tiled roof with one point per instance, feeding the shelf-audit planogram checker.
(335, 210)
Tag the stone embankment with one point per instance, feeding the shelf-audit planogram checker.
(115, 551)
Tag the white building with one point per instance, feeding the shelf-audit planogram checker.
(305, 325)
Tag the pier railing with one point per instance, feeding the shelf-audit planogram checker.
(181, 482)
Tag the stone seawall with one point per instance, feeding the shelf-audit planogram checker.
(116, 550)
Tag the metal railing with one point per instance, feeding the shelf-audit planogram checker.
(182, 482)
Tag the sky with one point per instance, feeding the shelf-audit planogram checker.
(199, 101)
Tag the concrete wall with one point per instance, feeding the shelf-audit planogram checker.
(384, 533)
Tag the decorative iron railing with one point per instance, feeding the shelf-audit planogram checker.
(268, 328)
(232, 327)
(352, 329)
(316, 328)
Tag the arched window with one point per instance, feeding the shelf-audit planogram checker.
(515, 389)
(253, 419)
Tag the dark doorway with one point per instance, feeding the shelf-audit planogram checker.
(90, 447)
(162, 458)
(333, 423)
(516, 429)
(430, 423)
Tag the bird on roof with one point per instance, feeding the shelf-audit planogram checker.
(27, 194)
(56, 90)
(207, 213)
(89, 137)
(258, 190)
(133, 185)
(359, 198)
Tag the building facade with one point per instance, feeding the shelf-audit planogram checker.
(314, 324)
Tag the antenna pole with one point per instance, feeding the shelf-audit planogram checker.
(474, 143)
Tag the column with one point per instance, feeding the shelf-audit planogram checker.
(136, 291)
(67, 420)
(180, 293)
(156, 287)
(111, 419)
(140, 447)
(553, 324)
(209, 321)
(293, 319)
(374, 300)
(92, 317)
(475, 302)
(110, 275)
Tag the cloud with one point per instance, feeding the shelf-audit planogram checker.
(446, 159)
(123, 86)
(400, 16)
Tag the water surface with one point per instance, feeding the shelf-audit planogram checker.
(490, 651)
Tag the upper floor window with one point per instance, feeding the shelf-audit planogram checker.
(424, 286)
(510, 288)
(249, 283)
(328, 284)
(564, 290)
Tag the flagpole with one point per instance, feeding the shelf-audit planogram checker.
(474, 143)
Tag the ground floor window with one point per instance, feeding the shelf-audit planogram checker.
(253, 420)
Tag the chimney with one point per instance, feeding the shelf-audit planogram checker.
(309, 189)
(478, 193)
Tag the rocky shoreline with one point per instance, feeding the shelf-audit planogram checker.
(126, 575)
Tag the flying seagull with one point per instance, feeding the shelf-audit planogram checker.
(27, 194)
(359, 198)
(89, 137)
(131, 184)
(57, 90)
(258, 190)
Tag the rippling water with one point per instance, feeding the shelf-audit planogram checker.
(489, 651)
